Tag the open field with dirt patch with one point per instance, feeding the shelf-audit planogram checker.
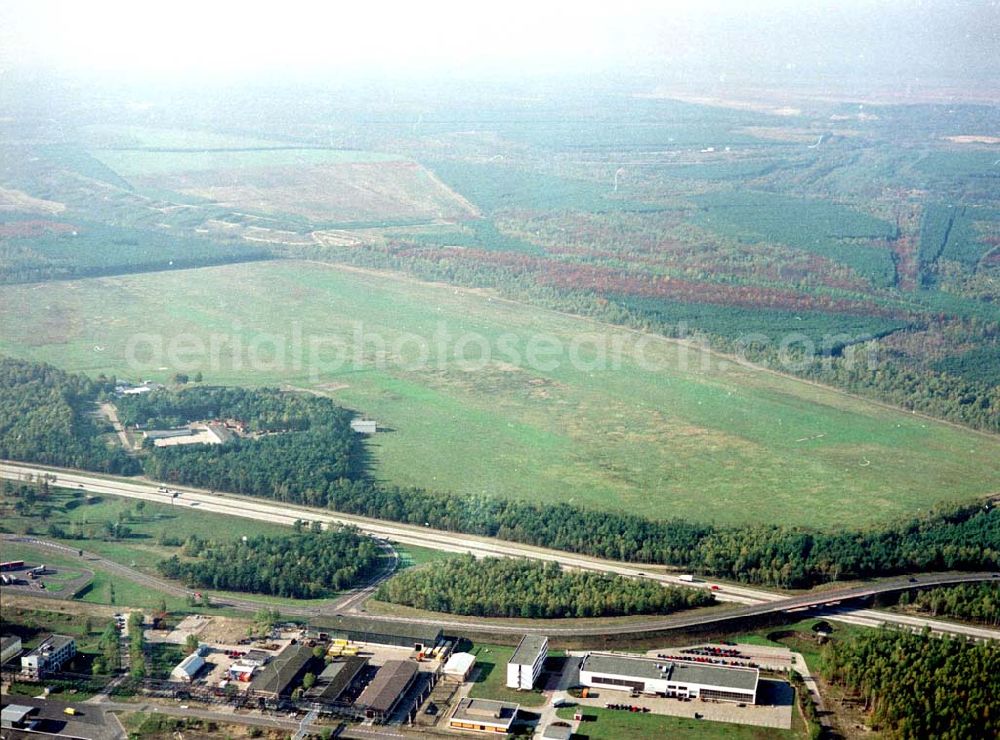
(654, 428)
(259, 176)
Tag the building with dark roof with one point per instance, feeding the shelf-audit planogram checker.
(337, 678)
(390, 684)
(379, 631)
(10, 647)
(278, 677)
(670, 677)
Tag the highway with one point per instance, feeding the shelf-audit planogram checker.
(750, 601)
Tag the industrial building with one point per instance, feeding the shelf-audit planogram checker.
(278, 677)
(669, 678)
(483, 715)
(10, 648)
(50, 655)
(337, 678)
(526, 663)
(188, 668)
(378, 632)
(381, 697)
(256, 658)
(242, 672)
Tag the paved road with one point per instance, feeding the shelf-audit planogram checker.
(755, 601)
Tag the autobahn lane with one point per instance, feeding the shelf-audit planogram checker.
(752, 601)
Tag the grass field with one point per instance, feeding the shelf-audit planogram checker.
(491, 681)
(608, 724)
(261, 176)
(642, 432)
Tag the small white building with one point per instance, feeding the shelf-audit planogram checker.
(526, 663)
(670, 678)
(188, 668)
(459, 665)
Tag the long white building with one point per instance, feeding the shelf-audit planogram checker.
(669, 677)
(527, 661)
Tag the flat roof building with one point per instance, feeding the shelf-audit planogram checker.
(558, 731)
(526, 663)
(390, 684)
(669, 677)
(379, 632)
(50, 655)
(277, 678)
(483, 715)
(459, 665)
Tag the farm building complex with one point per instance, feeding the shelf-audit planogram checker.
(669, 678)
(526, 662)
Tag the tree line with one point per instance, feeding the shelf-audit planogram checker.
(915, 686)
(303, 566)
(505, 587)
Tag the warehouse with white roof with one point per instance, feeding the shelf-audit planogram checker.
(670, 678)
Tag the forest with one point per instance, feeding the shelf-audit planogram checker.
(916, 686)
(297, 444)
(505, 587)
(307, 565)
(972, 602)
(46, 417)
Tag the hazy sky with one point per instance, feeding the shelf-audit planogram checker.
(907, 40)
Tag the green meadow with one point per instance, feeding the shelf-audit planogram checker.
(561, 410)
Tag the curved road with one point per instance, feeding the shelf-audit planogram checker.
(755, 601)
